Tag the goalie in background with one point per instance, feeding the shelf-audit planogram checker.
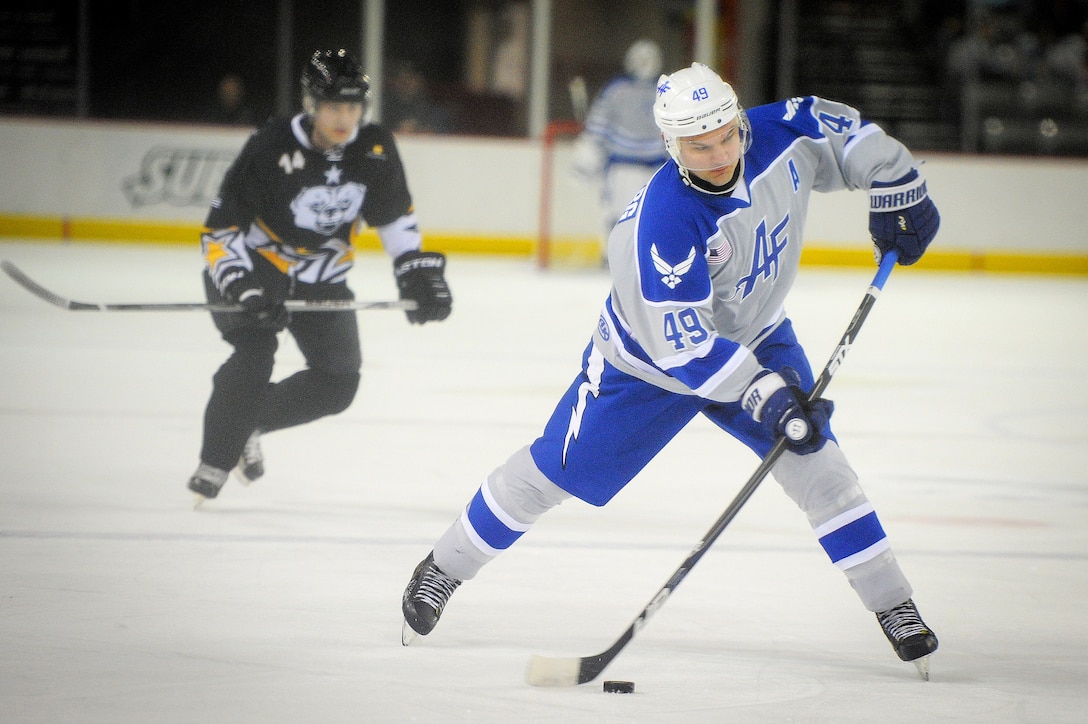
(621, 147)
(280, 228)
(695, 323)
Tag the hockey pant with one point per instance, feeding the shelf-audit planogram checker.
(609, 425)
(244, 398)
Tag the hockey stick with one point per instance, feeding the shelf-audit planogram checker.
(569, 671)
(579, 98)
(293, 305)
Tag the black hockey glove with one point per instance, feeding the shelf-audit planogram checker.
(902, 217)
(777, 403)
(264, 311)
(420, 278)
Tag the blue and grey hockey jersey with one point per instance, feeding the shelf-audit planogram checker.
(699, 280)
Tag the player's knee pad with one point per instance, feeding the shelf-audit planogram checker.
(520, 487)
(509, 502)
(251, 342)
(826, 488)
(338, 389)
(253, 357)
(822, 484)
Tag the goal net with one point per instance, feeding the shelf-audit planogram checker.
(569, 233)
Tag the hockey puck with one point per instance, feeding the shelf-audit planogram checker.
(619, 687)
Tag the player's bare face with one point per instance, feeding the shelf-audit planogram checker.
(334, 122)
(712, 156)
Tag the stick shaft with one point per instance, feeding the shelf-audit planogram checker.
(293, 305)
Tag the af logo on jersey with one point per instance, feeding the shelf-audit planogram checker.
(325, 209)
(671, 274)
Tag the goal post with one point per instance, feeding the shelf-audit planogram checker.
(570, 214)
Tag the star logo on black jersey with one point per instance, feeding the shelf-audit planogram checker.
(332, 176)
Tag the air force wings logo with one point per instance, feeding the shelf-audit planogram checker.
(792, 106)
(671, 275)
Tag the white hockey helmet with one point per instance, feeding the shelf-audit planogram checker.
(693, 101)
(643, 59)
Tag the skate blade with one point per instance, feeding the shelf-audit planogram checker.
(922, 665)
(198, 501)
(408, 635)
(238, 475)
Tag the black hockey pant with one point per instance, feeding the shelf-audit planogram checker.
(243, 397)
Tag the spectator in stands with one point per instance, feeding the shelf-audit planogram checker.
(1067, 58)
(408, 105)
(232, 107)
(994, 47)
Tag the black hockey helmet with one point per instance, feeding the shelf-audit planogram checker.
(333, 75)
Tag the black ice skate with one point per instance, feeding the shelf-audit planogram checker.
(424, 598)
(207, 482)
(251, 465)
(910, 637)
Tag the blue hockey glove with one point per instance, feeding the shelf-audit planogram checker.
(902, 217)
(420, 278)
(263, 311)
(777, 403)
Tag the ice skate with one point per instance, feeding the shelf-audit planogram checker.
(912, 640)
(207, 482)
(251, 464)
(424, 598)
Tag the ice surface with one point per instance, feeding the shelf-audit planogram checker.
(962, 405)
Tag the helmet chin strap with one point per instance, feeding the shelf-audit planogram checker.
(708, 188)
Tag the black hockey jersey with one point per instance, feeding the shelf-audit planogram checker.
(297, 206)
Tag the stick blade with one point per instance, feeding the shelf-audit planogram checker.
(553, 671)
(32, 286)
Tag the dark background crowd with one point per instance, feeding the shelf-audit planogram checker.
(991, 76)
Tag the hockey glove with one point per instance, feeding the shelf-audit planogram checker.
(420, 278)
(588, 160)
(777, 403)
(902, 217)
(263, 311)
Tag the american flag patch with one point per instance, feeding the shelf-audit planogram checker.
(721, 253)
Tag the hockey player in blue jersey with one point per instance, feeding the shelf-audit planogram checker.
(701, 263)
(620, 148)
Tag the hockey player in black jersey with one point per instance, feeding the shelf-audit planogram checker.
(280, 228)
